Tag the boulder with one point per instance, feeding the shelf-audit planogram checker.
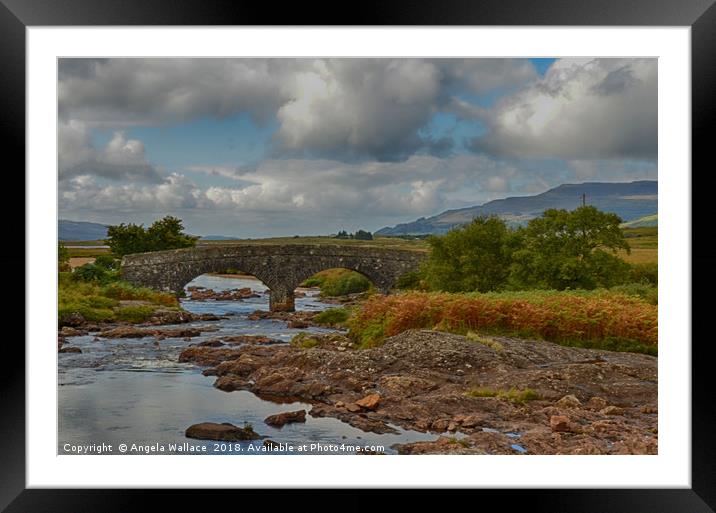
(74, 319)
(369, 402)
(288, 417)
(612, 410)
(596, 403)
(569, 401)
(223, 431)
(298, 324)
(472, 421)
(560, 423)
(214, 342)
(70, 350)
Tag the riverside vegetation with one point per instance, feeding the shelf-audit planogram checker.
(477, 341)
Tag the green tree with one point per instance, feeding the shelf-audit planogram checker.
(570, 249)
(476, 257)
(363, 235)
(165, 233)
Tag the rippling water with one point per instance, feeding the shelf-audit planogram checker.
(131, 391)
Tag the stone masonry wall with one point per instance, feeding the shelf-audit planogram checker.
(280, 268)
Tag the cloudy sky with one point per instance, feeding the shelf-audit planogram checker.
(264, 147)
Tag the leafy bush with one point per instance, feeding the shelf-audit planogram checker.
(644, 273)
(412, 280)
(94, 273)
(332, 316)
(314, 281)
(349, 283)
(338, 282)
(599, 319)
(108, 262)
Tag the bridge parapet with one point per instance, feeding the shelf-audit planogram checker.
(280, 267)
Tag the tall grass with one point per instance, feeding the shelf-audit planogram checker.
(599, 319)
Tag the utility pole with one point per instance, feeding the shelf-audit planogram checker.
(584, 199)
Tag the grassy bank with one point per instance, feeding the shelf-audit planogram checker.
(98, 302)
(595, 319)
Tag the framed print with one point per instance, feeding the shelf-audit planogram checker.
(282, 249)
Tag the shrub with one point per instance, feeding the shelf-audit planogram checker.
(348, 283)
(304, 340)
(314, 281)
(338, 282)
(412, 280)
(332, 316)
(107, 262)
(644, 273)
(585, 318)
(93, 273)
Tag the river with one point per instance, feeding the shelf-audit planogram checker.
(129, 391)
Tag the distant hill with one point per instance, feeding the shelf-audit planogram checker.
(643, 222)
(217, 237)
(80, 230)
(629, 201)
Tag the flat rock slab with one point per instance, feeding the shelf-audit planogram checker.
(280, 419)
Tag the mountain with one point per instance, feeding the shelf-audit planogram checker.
(629, 201)
(80, 230)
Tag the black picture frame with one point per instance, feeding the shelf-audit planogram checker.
(700, 15)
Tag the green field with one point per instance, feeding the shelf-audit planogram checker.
(378, 242)
(87, 252)
(644, 243)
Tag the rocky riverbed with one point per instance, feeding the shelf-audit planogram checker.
(495, 395)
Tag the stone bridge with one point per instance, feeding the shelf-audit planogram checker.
(280, 267)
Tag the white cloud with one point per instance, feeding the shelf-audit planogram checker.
(345, 109)
(121, 158)
(581, 109)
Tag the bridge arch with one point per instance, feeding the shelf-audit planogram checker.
(280, 267)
